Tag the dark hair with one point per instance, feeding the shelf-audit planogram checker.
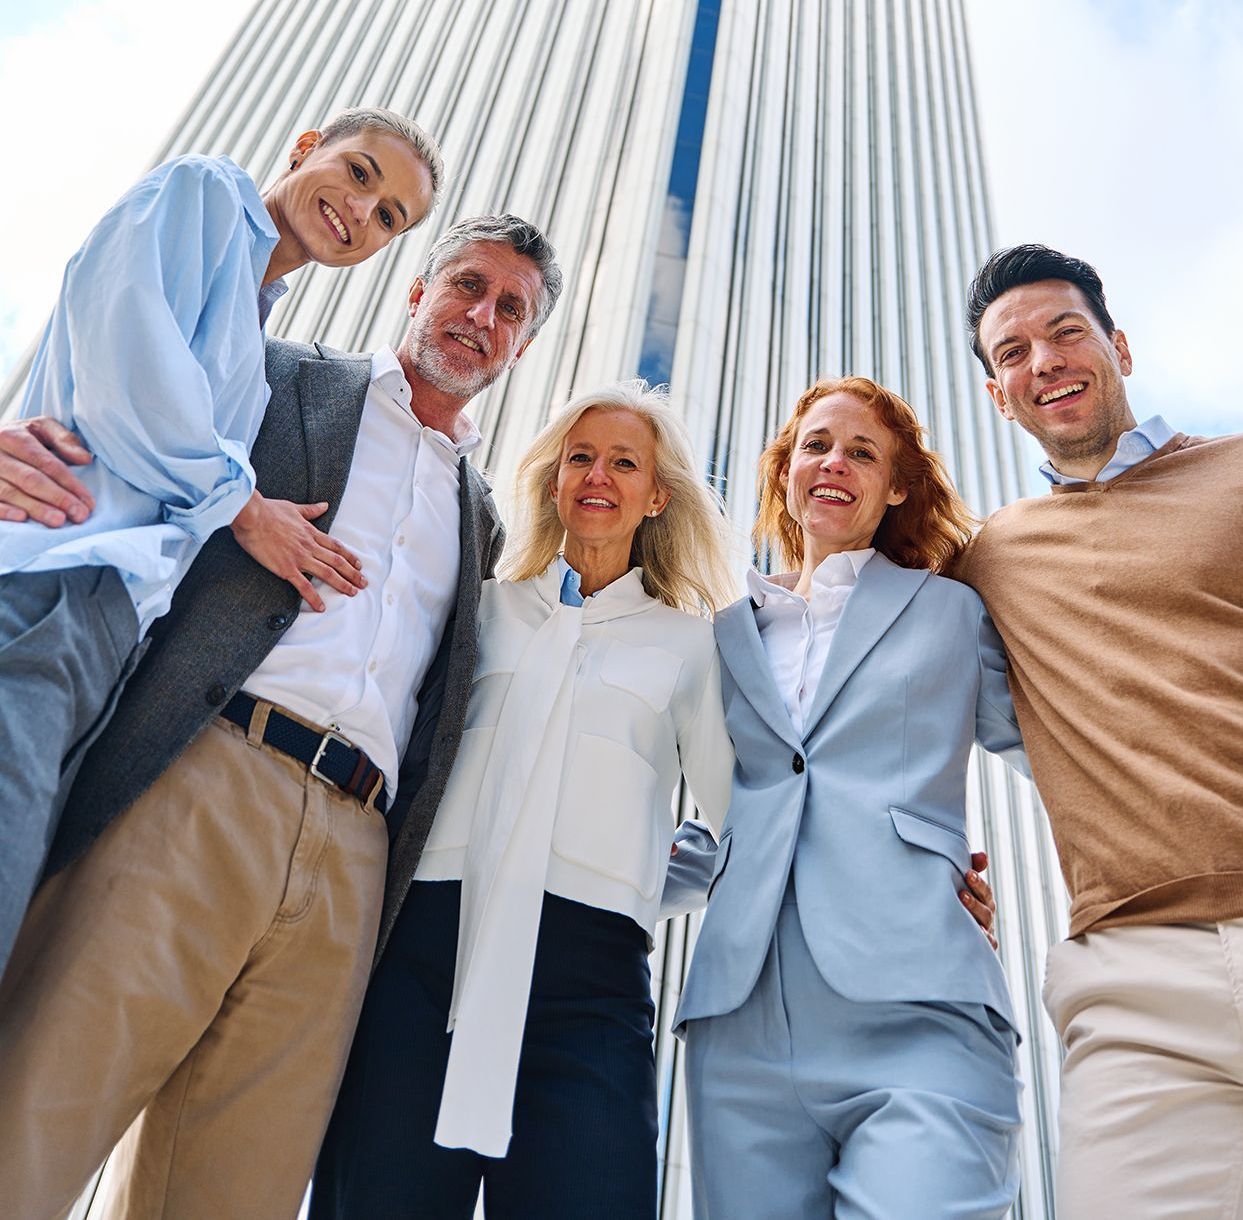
(1030, 264)
(927, 530)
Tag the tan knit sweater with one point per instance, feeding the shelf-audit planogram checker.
(1121, 605)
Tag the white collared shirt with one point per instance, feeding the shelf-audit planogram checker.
(358, 666)
(796, 634)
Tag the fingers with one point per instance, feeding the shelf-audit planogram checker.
(307, 590)
(334, 578)
(981, 890)
(35, 481)
(311, 511)
(61, 440)
(342, 559)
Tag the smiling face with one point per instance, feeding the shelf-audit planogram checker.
(472, 322)
(606, 481)
(1056, 372)
(839, 477)
(342, 202)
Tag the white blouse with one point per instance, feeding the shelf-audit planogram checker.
(581, 721)
(797, 633)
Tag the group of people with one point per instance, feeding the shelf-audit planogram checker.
(347, 835)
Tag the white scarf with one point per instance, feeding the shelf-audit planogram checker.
(506, 866)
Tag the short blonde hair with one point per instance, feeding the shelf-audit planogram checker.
(927, 530)
(683, 551)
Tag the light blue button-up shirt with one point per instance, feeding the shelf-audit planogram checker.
(154, 355)
(1133, 447)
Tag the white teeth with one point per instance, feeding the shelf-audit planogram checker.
(832, 493)
(1054, 395)
(335, 221)
(593, 500)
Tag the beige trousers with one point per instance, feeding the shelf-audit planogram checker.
(198, 973)
(1151, 1121)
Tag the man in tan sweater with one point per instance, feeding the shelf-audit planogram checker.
(1120, 599)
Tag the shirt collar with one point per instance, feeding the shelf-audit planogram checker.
(840, 570)
(269, 294)
(624, 596)
(387, 373)
(1133, 447)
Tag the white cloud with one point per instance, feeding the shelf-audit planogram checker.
(1112, 132)
(90, 93)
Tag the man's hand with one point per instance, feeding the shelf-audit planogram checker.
(978, 897)
(35, 483)
(279, 535)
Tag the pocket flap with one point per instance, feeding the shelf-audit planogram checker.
(920, 830)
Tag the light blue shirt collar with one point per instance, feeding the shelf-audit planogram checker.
(571, 584)
(1133, 447)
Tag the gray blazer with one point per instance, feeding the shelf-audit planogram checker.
(229, 612)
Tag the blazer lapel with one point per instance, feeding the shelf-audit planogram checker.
(332, 393)
(742, 651)
(883, 592)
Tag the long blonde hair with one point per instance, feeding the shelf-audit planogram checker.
(684, 551)
(927, 530)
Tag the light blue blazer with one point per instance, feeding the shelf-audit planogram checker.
(867, 805)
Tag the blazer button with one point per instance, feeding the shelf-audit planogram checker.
(277, 621)
(798, 764)
(216, 694)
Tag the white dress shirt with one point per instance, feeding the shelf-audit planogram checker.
(796, 634)
(358, 666)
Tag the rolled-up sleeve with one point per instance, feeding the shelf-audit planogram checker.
(163, 386)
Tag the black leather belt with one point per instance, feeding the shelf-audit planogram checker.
(328, 756)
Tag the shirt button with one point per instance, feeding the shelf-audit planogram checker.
(401, 540)
(215, 694)
(371, 668)
(798, 764)
(389, 599)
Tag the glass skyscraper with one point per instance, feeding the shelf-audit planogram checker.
(745, 195)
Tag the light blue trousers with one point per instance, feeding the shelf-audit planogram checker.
(805, 1104)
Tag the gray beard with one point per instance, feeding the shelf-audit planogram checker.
(432, 366)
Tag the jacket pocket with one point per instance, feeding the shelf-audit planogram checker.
(920, 830)
(613, 819)
(651, 674)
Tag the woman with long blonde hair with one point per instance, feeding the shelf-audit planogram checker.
(527, 1065)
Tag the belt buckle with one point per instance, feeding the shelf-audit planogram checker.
(328, 736)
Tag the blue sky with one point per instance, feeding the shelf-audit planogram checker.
(1112, 130)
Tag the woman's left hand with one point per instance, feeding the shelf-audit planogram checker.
(978, 897)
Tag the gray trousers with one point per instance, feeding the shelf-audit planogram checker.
(66, 639)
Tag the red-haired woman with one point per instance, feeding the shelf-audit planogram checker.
(850, 1039)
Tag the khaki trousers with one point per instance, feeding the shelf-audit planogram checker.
(1151, 1121)
(198, 973)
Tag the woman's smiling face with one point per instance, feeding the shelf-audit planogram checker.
(839, 479)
